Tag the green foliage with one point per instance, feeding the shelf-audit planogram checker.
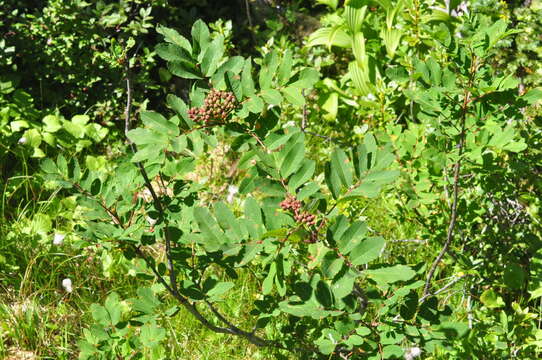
(372, 195)
(125, 329)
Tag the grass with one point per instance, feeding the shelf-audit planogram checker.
(39, 320)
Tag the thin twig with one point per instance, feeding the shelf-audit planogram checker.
(249, 17)
(256, 340)
(304, 118)
(415, 241)
(455, 280)
(457, 171)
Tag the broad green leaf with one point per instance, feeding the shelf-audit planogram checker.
(178, 105)
(285, 68)
(536, 293)
(142, 136)
(211, 57)
(234, 84)
(271, 96)
(360, 78)
(307, 77)
(251, 251)
(301, 310)
(184, 70)
(341, 164)
(74, 129)
(354, 13)
(173, 53)
(392, 352)
(275, 140)
(269, 67)
(220, 289)
(392, 274)
(301, 176)
(294, 95)
(382, 177)
(453, 329)
(333, 181)
(351, 237)
(293, 159)
(62, 165)
(330, 36)
(159, 123)
(173, 37)
(234, 65)
(491, 299)
(358, 48)
(200, 34)
(213, 236)
(227, 220)
(151, 335)
(533, 96)
(267, 285)
(146, 302)
(51, 123)
(112, 306)
(331, 265)
(247, 83)
(308, 190)
(367, 251)
(255, 104)
(80, 119)
(343, 286)
(253, 212)
(147, 153)
(436, 73)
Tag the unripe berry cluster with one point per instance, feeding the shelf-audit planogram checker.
(305, 218)
(216, 108)
(291, 203)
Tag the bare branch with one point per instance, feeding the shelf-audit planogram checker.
(442, 289)
(456, 178)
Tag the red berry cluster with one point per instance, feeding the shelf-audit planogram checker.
(216, 108)
(291, 203)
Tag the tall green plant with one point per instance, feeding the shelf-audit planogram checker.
(321, 285)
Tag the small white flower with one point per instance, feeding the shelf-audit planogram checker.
(392, 84)
(58, 239)
(23, 140)
(370, 97)
(232, 191)
(412, 353)
(49, 41)
(67, 285)
(151, 221)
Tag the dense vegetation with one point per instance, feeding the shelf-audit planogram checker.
(264, 179)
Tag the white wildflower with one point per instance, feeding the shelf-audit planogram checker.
(412, 353)
(370, 97)
(23, 140)
(49, 41)
(58, 239)
(151, 221)
(462, 9)
(232, 191)
(67, 285)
